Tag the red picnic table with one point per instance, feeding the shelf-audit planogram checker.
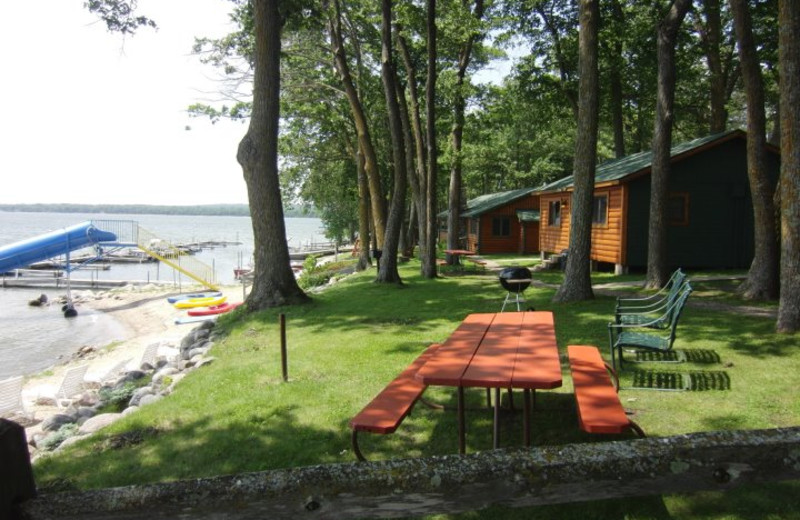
(497, 350)
(458, 253)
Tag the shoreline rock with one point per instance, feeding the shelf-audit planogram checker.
(124, 394)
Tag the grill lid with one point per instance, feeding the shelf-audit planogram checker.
(515, 273)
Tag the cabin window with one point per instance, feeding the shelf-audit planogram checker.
(678, 209)
(473, 226)
(501, 226)
(554, 213)
(600, 209)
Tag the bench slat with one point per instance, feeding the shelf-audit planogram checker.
(599, 408)
(388, 409)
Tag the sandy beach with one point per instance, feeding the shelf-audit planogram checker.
(146, 317)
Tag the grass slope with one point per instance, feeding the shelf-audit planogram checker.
(237, 414)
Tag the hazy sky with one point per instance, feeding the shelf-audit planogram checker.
(92, 117)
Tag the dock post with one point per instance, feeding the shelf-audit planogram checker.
(284, 364)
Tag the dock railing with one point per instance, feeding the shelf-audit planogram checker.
(130, 233)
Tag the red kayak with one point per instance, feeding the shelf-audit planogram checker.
(214, 309)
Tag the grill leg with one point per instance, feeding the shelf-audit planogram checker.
(508, 295)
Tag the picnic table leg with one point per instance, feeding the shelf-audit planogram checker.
(496, 430)
(462, 442)
(526, 415)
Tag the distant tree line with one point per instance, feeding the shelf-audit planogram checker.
(233, 210)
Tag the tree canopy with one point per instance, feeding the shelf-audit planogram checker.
(351, 107)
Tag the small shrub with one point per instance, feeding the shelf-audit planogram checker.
(54, 440)
(310, 264)
(321, 274)
(309, 280)
(118, 397)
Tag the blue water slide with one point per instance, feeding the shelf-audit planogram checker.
(49, 245)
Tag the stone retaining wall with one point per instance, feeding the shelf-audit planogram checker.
(452, 484)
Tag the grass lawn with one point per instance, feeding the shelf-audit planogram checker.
(237, 415)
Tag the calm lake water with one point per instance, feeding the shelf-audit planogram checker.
(35, 338)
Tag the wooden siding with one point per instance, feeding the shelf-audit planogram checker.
(606, 238)
(554, 239)
(486, 243)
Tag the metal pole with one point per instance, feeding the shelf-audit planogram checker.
(462, 444)
(284, 365)
(526, 416)
(496, 429)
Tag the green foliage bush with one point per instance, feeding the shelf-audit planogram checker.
(54, 440)
(315, 275)
(117, 398)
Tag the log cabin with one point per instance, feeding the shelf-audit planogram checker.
(709, 208)
(503, 222)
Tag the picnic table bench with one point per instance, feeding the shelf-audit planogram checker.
(390, 407)
(599, 407)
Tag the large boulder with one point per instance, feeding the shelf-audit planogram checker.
(98, 422)
(148, 399)
(138, 394)
(55, 422)
(130, 376)
(164, 372)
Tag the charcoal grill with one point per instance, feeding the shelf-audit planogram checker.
(515, 280)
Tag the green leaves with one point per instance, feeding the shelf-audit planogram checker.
(119, 15)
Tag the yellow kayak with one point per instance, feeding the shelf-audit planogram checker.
(190, 303)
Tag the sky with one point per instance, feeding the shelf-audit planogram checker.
(97, 118)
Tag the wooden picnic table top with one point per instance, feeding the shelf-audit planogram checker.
(459, 252)
(498, 350)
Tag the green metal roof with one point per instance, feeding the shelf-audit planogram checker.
(483, 203)
(618, 169)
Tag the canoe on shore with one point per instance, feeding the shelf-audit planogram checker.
(200, 302)
(179, 297)
(194, 319)
(214, 309)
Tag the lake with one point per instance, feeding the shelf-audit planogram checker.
(34, 338)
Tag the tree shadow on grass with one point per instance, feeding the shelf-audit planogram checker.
(262, 440)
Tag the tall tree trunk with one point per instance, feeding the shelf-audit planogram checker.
(711, 37)
(362, 125)
(387, 272)
(454, 192)
(657, 268)
(457, 134)
(615, 80)
(274, 283)
(419, 180)
(762, 280)
(789, 60)
(577, 277)
(408, 239)
(363, 213)
(432, 232)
